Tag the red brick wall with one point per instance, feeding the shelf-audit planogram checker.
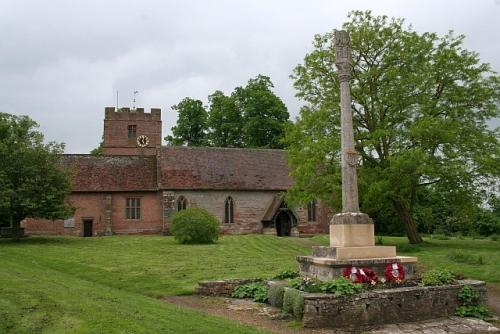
(87, 206)
(92, 206)
(322, 223)
(151, 214)
(116, 141)
(249, 208)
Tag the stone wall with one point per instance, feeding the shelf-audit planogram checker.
(249, 208)
(385, 306)
(222, 287)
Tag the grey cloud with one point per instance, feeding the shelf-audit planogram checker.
(61, 62)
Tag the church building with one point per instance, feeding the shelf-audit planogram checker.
(137, 184)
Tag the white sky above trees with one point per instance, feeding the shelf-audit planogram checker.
(62, 61)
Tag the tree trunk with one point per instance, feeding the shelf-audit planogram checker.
(405, 217)
(16, 230)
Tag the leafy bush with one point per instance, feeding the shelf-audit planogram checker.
(468, 298)
(287, 274)
(437, 277)
(257, 291)
(476, 311)
(440, 237)
(298, 306)
(275, 294)
(341, 286)
(306, 284)
(293, 303)
(379, 240)
(461, 257)
(195, 226)
(495, 237)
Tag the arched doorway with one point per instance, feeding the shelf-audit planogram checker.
(283, 224)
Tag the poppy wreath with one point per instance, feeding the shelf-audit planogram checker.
(360, 275)
(353, 274)
(370, 276)
(394, 272)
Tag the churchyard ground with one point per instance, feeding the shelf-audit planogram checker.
(114, 284)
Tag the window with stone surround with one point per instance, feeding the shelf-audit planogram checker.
(132, 131)
(311, 211)
(181, 203)
(229, 211)
(133, 208)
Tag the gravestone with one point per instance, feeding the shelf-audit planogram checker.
(352, 236)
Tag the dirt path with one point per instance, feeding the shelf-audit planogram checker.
(245, 312)
(270, 318)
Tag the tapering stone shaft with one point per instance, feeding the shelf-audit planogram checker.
(349, 156)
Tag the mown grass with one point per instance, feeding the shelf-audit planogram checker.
(112, 284)
(474, 258)
(105, 285)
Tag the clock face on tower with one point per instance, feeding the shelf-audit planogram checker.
(142, 141)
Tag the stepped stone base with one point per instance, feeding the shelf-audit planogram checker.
(325, 268)
(362, 252)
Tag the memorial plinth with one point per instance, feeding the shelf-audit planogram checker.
(352, 244)
(352, 236)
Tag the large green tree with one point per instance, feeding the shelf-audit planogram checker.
(264, 114)
(420, 107)
(252, 116)
(31, 184)
(191, 128)
(225, 121)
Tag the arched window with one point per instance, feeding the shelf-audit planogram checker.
(311, 211)
(181, 203)
(229, 211)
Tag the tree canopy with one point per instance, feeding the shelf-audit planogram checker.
(420, 107)
(191, 128)
(225, 121)
(252, 116)
(31, 184)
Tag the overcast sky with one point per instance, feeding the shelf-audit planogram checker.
(61, 62)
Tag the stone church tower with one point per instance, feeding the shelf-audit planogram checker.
(131, 131)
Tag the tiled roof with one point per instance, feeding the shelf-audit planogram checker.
(223, 168)
(111, 173)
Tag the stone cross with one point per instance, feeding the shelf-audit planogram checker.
(343, 62)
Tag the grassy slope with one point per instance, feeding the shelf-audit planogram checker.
(96, 285)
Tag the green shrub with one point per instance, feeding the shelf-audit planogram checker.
(468, 299)
(287, 274)
(195, 226)
(275, 294)
(437, 277)
(298, 306)
(257, 291)
(440, 237)
(341, 286)
(495, 237)
(306, 284)
(293, 302)
(462, 257)
(476, 311)
(379, 240)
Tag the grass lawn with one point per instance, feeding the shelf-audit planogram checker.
(112, 284)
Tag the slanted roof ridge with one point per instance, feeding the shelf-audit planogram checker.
(225, 148)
